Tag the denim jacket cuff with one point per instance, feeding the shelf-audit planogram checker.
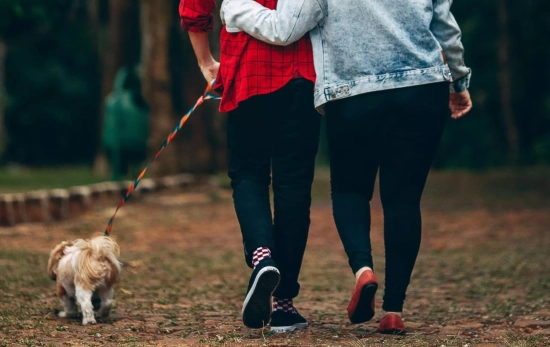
(461, 84)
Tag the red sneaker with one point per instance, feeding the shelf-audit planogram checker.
(391, 324)
(361, 306)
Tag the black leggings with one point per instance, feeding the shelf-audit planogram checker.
(396, 132)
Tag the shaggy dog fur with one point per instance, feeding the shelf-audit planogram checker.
(84, 269)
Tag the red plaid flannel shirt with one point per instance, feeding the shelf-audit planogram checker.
(248, 66)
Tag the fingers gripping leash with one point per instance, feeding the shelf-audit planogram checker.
(207, 95)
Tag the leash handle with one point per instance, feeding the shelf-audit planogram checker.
(207, 95)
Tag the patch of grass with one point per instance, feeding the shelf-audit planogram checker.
(60, 327)
(408, 341)
(499, 188)
(189, 279)
(24, 270)
(466, 190)
(16, 179)
(516, 339)
(26, 342)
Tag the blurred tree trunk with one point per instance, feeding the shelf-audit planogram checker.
(203, 140)
(123, 40)
(505, 81)
(96, 31)
(156, 21)
(3, 55)
(114, 26)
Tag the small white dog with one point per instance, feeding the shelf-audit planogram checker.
(84, 269)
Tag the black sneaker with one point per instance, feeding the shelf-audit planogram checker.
(257, 305)
(286, 322)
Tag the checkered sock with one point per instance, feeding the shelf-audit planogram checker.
(284, 305)
(260, 254)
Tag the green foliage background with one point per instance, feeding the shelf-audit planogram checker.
(53, 84)
(478, 140)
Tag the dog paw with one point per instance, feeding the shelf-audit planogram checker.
(88, 322)
(62, 314)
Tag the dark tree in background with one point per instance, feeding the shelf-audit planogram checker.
(201, 145)
(3, 54)
(49, 77)
(505, 45)
(505, 81)
(156, 21)
(172, 83)
(123, 40)
(96, 29)
(115, 37)
(58, 59)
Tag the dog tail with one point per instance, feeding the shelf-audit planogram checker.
(106, 247)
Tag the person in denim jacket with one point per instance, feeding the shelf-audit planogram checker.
(387, 75)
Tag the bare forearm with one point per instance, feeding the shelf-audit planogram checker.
(208, 65)
(201, 46)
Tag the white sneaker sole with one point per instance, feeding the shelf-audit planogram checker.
(257, 305)
(290, 328)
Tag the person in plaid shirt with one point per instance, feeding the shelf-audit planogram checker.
(273, 129)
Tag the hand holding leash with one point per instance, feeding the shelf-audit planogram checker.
(210, 71)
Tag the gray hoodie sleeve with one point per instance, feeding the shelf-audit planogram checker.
(446, 31)
(290, 22)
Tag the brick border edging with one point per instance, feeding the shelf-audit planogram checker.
(62, 204)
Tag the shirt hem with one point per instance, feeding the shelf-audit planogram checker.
(225, 108)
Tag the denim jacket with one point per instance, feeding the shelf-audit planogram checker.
(362, 46)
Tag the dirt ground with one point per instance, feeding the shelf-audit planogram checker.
(482, 277)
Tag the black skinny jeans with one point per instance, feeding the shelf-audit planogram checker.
(396, 132)
(276, 133)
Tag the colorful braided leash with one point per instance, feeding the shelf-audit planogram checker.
(206, 96)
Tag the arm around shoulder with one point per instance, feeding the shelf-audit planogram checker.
(288, 23)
